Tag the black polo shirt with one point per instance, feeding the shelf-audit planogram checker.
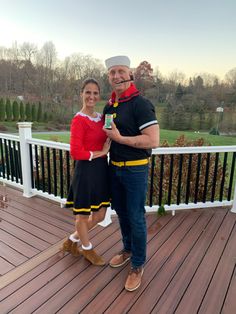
(131, 117)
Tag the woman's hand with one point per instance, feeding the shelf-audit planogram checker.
(106, 146)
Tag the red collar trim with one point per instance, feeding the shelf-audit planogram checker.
(125, 96)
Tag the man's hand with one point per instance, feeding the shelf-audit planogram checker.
(114, 133)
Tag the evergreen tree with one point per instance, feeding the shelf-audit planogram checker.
(190, 88)
(50, 117)
(166, 118)
(28, 111)
(8, 110)
(22, 111)
(15, 110)
(180, 119)
(40, 112)
(2, 110)
(45, 117)
(179, 92)
(201, 115)
(33, 112)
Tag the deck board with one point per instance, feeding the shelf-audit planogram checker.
(157, 261)
(24, 235)
(216, 292)
(230, 304)
(200, 282)
(190, 265)
(5, 266)
(29, 226)
(18, 245)
(160, 281)
(33, 224)
(10, 255)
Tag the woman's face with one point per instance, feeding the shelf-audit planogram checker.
(90, 95)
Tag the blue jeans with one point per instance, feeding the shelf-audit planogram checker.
(128, 190)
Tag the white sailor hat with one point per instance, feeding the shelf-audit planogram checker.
(117, 60)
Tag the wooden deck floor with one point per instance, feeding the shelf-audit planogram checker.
(191, 263)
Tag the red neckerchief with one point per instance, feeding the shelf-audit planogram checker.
(125, 96)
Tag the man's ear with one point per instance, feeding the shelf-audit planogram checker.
(131, 76)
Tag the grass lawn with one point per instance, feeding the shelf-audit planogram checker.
(63, 137)
(170, 136)
(214, 140)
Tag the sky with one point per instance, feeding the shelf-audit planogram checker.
(186, 36)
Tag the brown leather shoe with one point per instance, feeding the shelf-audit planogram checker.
(93, 257)
(134, 279)
(120, 259)
(70, 246)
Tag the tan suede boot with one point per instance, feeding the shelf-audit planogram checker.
(70, 246)
(93, 257)
(74, 249)
(66, 246)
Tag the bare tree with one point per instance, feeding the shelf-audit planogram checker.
(46, 62)
(3, 53)
(231, 77)
(77, 67)
(28, 51)
(209, 79)
(176, 77)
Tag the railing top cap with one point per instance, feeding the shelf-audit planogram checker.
(25, 124)
(193, 149)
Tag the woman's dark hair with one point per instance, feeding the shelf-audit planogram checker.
(89, 81)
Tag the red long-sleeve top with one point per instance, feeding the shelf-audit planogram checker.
(86, 136)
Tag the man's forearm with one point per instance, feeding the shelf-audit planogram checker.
(139, 141)
(149, 138)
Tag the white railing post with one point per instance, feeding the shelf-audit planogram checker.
(24, 134)
(233, 209)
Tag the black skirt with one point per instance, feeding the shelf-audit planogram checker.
(89, 190)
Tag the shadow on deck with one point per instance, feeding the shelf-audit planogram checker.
(190, 265)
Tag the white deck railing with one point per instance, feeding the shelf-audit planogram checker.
(25, 139)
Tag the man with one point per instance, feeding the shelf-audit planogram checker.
(134, 132)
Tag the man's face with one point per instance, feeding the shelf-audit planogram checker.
(116, 75)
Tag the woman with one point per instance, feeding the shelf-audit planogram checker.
(88, 193)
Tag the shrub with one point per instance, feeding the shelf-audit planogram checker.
(8, 110)
(200, 181)
(2, 110)
(3, 128)
(40, 112)
(45, 117)
(60, 127)
(28, 112)
(33, 112)
(48, 128)
(22, 111)
(15, 111)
